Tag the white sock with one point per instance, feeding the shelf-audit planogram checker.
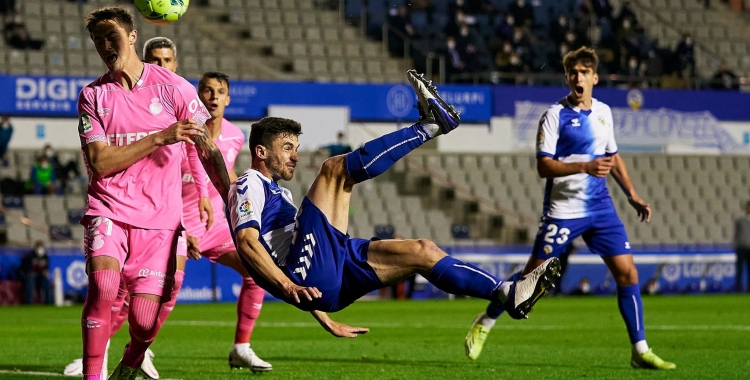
(640, 346)
(487, 322)
(430, 129)
(504, 290)
(241, 347)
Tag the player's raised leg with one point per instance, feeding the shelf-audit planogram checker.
(331, 191)
(249, 303)
(631, 309)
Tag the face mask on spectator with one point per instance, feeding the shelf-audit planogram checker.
(570, 37)
(464, 31)
(633, 63)
(564, 50)
(688, 41)
(521, 3)
(562, 21)
(49, 153)
(626, 24)
(460, 17)
(514, 60)
(451, 44)
(517, 36)
(510, 20)
(507, 48)
(39, 251)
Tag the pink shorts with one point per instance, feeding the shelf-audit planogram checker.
(213, 243)
(146, 256)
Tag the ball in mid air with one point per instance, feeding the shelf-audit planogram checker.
(162, 11)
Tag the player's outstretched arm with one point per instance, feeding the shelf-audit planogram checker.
(547, 167)
(250, 248)
(105, 160)
(337, 329)
(621, 176)
(213, 162)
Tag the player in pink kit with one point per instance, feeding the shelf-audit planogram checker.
(132, 122)
(216, 243)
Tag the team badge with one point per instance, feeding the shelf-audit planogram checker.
(540, 137)
(155, 107)
(246, 208)
(84, 125)
(97, 242)
(601, 120)
(547, 249)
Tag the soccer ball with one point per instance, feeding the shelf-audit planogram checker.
(162, 11)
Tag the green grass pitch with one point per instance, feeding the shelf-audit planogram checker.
(564, 338)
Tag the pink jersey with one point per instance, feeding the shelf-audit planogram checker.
(230, 142)
(148, 194)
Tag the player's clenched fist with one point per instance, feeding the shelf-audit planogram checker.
(180, 131)
(297, 292)
(599, 167)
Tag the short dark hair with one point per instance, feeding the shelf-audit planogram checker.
(159, 43)
(221, 77)
(268, 128)
(120, 15)
(585, 56)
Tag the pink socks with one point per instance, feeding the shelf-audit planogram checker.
(96, 318)
(248, 309)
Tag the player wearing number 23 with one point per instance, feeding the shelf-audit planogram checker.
(575, 152)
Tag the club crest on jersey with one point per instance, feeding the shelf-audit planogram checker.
(84, 125)
(575, 123)
(246, 208)
(547, 249)
(155, 107)
(601, 120)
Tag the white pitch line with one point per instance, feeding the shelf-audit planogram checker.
(49, 374)
(509, 326)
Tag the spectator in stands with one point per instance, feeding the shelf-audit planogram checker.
(583, 288)
(454, 61)
(6, 132)
(625, 12)
(505, 29)
(651, 288)
(602, 8)
(742, 247)
(585, 19)
(64, 171)
(466, 44)
(627, 35)
(522, 12)
(725, 79)
(685, 54)
(43, 178)
(559, 28)
(34, 273)
(339, 147)
(7, 7)
(400, 29)
(17, 36)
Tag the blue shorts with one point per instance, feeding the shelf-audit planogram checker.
(324, 257)
(603, 233)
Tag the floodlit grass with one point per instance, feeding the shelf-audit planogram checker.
(566, 337)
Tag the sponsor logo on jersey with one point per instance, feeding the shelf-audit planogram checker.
(155, 107)
(103, 112)
(246, 208)
(547, 249)
(145, 272)
(85, 126)
(120, 139)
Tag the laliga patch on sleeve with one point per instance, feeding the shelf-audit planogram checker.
(246, 209)
(84, 124)
(540, 137)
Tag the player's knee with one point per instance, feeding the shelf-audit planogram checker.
(333, 167)
(628, 276)
(428, 252)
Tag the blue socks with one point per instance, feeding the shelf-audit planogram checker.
(456, 277)
(631, 309)
(378, 155)
(493, 310)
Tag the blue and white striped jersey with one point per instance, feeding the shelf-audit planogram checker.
(569, 134)
(256, 201)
